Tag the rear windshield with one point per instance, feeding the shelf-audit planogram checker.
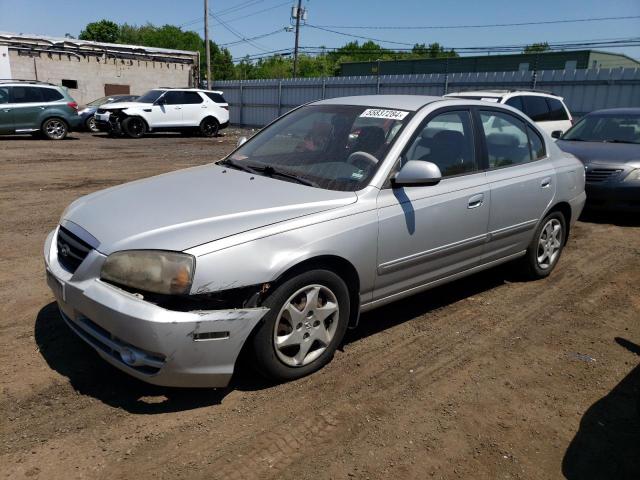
(216, 97)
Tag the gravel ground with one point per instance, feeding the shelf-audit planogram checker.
(488, 377)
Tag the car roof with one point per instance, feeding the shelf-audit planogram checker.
(203, 90)
(396, 102)
(617, 111)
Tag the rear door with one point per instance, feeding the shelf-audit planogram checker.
(194, 109)
(6, 113)
(521, 178)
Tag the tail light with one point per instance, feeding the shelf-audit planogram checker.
(73, 105)
(225, 107)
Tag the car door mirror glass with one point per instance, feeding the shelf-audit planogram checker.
(417, 173)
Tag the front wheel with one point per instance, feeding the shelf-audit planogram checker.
(91, 125)
(55, 129)
(545, 248)
(306, 322)
(134, 127)
(209, 127)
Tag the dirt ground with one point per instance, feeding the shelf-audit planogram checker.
(488, 377)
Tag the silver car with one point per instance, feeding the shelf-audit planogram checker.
(336, 208)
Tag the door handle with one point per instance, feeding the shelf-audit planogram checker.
(476, 201)
(178, 108)
(545, 183)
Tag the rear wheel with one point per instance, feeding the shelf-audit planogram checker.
(545, 248)
(209, 127)
(306, 322)
(134, 127)
(55, 129)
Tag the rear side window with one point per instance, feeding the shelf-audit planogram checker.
(506, 138)
(556, 109)
(191, 98)
(216, 97)
(536, 108)
(537, 145)
(515, 102)
(26, 94)
(51, 95)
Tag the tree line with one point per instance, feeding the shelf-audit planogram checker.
(323, 62)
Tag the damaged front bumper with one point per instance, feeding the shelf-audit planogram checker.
(151, 343)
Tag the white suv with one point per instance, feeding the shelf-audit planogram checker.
(548, 111)
(166, 109)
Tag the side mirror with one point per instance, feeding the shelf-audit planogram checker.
(416, 173)
(241, 141)
(556, 134)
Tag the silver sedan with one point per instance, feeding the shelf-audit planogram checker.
(336, 208)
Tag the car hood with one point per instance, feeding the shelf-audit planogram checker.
(120, 105)
(186, 208)
(602, 153)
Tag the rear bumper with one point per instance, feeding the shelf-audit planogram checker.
(158, 346)
(75, 123)
(619, 196)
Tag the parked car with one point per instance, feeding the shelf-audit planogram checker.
(88, 112)
(547, 110)
(608, 143)
(36, 108)
(288, 239)
(163, 109)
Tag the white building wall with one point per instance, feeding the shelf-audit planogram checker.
(93, 73)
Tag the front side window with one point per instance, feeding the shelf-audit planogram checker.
(606, 128)
(447, 141)
(506, 139)
(151, 96)
(174, 97)
(536, 108)
(336, 147)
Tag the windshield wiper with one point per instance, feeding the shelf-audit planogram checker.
(271, 171)
(233, 164)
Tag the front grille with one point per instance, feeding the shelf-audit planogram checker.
(601, 174)
(71, 250)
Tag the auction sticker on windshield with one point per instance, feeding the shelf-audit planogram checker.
(381, 113)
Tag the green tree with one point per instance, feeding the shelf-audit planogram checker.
(537, 48)
(433, 50)
(102, 31)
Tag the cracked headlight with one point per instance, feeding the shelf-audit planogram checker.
(150, 270)
(634, 176)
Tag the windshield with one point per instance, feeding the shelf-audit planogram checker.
(606, 128)
(98, 102)
(151, 96)
(337, 147)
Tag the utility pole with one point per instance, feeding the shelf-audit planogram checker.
(295, 50)
(207, 49)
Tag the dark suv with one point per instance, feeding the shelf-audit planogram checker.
(37, 108)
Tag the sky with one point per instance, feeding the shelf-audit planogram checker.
(251, 18)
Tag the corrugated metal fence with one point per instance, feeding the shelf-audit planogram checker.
(257, 102)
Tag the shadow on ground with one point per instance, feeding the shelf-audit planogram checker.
(89, 375)
(610, 218)
(607, 444)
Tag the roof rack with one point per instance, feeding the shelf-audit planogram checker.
(22, 80)
(536, 90)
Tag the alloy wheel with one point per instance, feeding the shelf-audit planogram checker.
(305, 325)
(55, 129)
(549, 244)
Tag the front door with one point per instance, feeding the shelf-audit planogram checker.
(522, 181)
(427, 233)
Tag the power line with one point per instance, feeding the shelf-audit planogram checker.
(235, 19)
(257, 37)
(356, 36)
(489, 25)
(236, 33)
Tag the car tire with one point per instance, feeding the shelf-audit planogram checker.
(209, 127)
(293, 339)
(134, 127)
(546, 246)
(55, 129)
(90, 124)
